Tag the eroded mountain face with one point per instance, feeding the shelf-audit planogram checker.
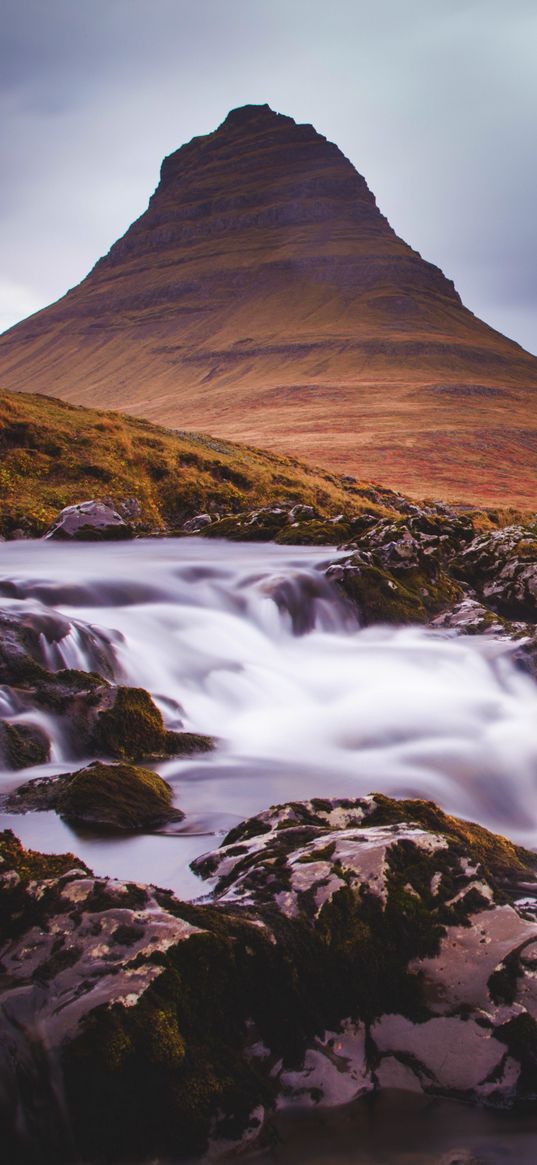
(264, 297)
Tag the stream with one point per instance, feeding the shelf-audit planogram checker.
(251, 644)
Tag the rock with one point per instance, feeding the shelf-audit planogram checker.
(98, 717)
(89, 521)
(110, 797)
(194, 524)
(502, 568)
(129, 509)
(23, 744)
(346, 945)
(471, 618)
(302, 514)
(132, 727)
(400, 569)
(261, 525)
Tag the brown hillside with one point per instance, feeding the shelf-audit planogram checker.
(264, 298)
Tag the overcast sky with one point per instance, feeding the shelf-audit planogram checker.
(434, 101)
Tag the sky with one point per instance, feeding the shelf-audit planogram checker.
(434, 101)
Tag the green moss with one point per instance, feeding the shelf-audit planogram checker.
(323, 854)
(116, 797)
(133, 727)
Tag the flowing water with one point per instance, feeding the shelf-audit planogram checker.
(251, 644)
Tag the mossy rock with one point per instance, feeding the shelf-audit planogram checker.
(314, 533)
(133, 729)
(24, 745)
(380, 598)
(30, 865)
(262, 526)
(115, 797)
(502, 860)
(121, 796)
(383, 596)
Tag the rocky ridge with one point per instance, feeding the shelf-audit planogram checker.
(170, 1025)
(263, 296)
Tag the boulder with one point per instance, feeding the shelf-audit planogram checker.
(129, 725)
(23, 744)
(89, 521)
(105, 797)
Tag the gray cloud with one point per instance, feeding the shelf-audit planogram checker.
(433, 100)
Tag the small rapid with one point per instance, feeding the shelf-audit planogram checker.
(251, 644)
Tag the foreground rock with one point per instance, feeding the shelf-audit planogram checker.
(105, 797)
(347, 946)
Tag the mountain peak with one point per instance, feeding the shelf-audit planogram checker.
(246, 114)
(262, 296)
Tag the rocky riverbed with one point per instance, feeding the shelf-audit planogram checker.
(343, 945)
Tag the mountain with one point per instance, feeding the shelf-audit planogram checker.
(263, 297)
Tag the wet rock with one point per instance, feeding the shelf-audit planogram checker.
(193, 525)
(89, 521)
(346, 945)
(110, 797)
(23, 744)
(132, 727)
(98, 717)
(129, 509)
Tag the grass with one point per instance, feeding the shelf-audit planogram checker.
(54, 454)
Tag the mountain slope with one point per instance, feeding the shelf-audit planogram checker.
(263, 297)
(53, 454)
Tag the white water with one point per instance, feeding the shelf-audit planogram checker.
(249, 643)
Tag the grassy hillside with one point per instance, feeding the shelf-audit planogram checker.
(53, 454)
